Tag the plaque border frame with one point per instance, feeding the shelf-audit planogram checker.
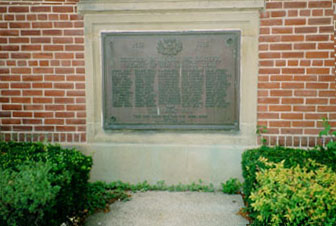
(234, 127)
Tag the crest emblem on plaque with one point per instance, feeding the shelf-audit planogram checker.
(169, 47)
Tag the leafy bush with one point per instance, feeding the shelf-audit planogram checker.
(292, 157)
(26, 193)
(295, 196)
(69, 170)
(231, 186)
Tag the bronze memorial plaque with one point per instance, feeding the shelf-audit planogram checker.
(171, 80)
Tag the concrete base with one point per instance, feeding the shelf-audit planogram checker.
(172, 163)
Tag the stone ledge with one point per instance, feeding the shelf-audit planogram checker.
(96, 6)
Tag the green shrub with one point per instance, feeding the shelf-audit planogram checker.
(295, 196)
(69, 169)
(25, 194)
(292, 157)
(231, 186)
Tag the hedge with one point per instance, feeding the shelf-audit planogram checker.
(32, 170)
(251, 163)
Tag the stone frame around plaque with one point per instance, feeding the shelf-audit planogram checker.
(161, 16)
(108, 124)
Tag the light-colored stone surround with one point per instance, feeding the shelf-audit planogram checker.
(171, 155)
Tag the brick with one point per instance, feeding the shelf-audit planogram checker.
(43, 114)
(316, 101)
(281, 92)
(331, 93)
(18, 9)
(292, 85)
(19, 25)
(295, 22)
(5, 114)
(295, 4)
(291, 131)
(41, 40)
(32, 92)
(65, 128)
(292, 38)
(23, 114)
(65, 114)
(317, 85)
(293, 70)
(21, 100)
(326, 29)
(269, 55)
(74, 48)
(42, 55)
(30, 32)
(293, 13)
(271, 22)
(63, 40)
(53, 48)
(63, 25)
(319, 4)
(52, 32)
(44, 128)
(318, 71)
(305, 78)
(74, 32)
(79, 24)
(54, 93)
(64, 55)
(76, 78)
(9, 48)
(304, 108)
(273, 5)
(75, 107)
(21, 70)
(326, 46)
(55, 107)
(292, 100)
(75, 93)
(304, 46)
(4, 71)
(40, 9)
(292, 54)
(319, 21)
(20, 55)
(293, 63)
(305, 29)
(63, 9)
(278, 13)
(282, 30)
(31, 47)
(317, 38)
(280, 46)
(54, 121)
(42, 24)
(279, 108)
(291, 116)
(268, 85)
(317, 54)
(11, 121)
(269, 71)
(42, 70)
(305, 93)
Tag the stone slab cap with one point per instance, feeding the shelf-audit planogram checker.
(96, 6)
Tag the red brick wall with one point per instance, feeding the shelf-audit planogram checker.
(296, 83)
(42, 75)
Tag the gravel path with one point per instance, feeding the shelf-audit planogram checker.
(173, 209)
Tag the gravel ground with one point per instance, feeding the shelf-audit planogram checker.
(158, 208)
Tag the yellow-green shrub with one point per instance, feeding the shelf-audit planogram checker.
(295, 196)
